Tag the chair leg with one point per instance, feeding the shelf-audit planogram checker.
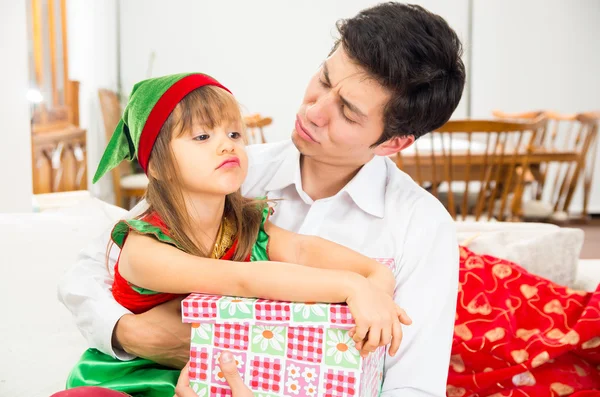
(119, 197)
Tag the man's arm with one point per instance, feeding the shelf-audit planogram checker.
(85, 289)
(427, 286)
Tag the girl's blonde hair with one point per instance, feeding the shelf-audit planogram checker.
(210, 106)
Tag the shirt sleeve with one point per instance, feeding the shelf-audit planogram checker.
(426, 287)
(85, 289)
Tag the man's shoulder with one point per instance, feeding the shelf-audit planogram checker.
(269, 153)
(407, 200)
(264, 161)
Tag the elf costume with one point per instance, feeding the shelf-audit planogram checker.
(150, 104)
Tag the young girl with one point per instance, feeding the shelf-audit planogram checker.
(198, 233)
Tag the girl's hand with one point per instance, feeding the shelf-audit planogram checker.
(377, 319)
(383, 278)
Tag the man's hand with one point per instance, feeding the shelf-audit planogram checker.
(183, 388)
(157, 335)
(232, 376)
(230, 371)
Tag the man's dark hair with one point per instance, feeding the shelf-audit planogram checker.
(414, 54)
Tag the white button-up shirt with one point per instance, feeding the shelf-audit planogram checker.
(381, 213)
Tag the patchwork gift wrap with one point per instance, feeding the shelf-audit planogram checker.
(281, 348)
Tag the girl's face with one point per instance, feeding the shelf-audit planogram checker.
(211, 161)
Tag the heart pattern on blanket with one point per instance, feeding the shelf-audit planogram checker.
(495, 334)
(523, 379)
(571, 338)
(463, 332)
(519, 356)
(452, 391)
(528, 291)
(580, 371)
(555, 334)
(540, 359)
(517, 333)
(561, 389)
(591, 344)
(480, 304)
(457, 363)
(576, 292)
(553, 306)
(501, 271)
(474, 262)
(525, 334)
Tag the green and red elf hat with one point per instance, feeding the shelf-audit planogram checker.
(150, 104)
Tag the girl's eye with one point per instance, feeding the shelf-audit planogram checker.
(235, 135)
(201, 137)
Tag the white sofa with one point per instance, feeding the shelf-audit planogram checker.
(40, 343)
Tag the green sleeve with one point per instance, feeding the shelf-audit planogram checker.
(260, 250)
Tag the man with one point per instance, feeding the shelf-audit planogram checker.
(394, 75)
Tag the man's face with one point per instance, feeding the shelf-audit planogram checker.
(341, 115)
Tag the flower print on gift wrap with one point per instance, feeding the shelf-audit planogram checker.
(236, 308)
(340, 350)
(268, 339)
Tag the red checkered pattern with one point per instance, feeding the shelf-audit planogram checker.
(199, 364)
(272, 311)
(340, 315)
(305, 344)
(266, 374)
(216, 391)
(197, 306)
(339, 384)
(389, 262)
(232, 336)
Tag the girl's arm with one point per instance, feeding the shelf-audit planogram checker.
(285, 246)
(150, 264)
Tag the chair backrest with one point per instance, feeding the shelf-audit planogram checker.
(111, 115)
(254, 128)
(575, 133)
(475, 167)
(111, 110)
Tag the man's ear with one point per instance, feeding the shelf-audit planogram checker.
(394, 145)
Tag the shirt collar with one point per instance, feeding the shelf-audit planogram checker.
(367, 188)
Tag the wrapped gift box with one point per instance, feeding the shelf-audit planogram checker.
(281, 348)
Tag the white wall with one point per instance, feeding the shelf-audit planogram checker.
(264, 51)
(15, 133)
(537, 54)
(92, 34)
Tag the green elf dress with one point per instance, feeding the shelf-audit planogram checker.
(141, 377)
(150, 104)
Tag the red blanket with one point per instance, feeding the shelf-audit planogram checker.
(517, 334)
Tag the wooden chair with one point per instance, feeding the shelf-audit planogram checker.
(558, 179)
(127, 185)
(254, 128)
(477, 168)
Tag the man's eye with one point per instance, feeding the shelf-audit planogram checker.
(323, 84)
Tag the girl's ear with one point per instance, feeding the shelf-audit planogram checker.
(151, 171)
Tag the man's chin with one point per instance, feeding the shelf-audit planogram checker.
(301, 144)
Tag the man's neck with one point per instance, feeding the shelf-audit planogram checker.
(321, 180)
